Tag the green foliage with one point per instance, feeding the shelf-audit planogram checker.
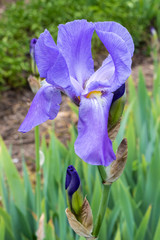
(22, 21)
(137, 192)
(133, 211)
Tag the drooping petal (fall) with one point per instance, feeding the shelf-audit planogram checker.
(74, 41)
(45, 105)
(93, 144)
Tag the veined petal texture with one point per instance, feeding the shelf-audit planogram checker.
(45, 105)
(93, 144)
(74, 41)
(119, 30)
(46, 53)
(116, 68)
(52, 65)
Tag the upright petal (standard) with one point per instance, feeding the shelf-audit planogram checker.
(74, 41)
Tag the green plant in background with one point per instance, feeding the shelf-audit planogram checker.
(133, 211)
(21, 21)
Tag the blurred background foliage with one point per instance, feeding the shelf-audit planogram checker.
(24, 20)
(133, 212)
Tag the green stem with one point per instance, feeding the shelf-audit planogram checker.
(38, 175)
(102, 209)
(102, 172)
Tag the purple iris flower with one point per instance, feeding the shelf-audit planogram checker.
(69, 67)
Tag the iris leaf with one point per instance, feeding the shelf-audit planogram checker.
(141, 231)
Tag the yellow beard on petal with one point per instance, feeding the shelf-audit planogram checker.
(94, 94)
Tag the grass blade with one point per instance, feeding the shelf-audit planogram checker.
(141, 231)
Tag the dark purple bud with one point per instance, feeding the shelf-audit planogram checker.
(32, 46)
(32, 53)
(119, 93)
(72, 180)
(33, 42)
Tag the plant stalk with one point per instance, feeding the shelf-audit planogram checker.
(102, 209)
(102, 172)
(38, 175)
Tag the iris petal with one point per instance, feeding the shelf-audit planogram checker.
(119, 62)
(46, 53)
(74, 41)
(101, 78)
(52, 65)
(119, 30)
(58, 76)
(45, 105)
(93, 144)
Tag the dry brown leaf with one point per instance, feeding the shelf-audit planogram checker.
(116, 168)
(40, 232)
(34, 84)
(112, 133)
(77, 226)
(86, 216)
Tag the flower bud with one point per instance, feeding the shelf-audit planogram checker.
(32, 47)
(79, 213)
(117, 106)
(155, 46)
(154, 33)
(73, 189)
(32, 53)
